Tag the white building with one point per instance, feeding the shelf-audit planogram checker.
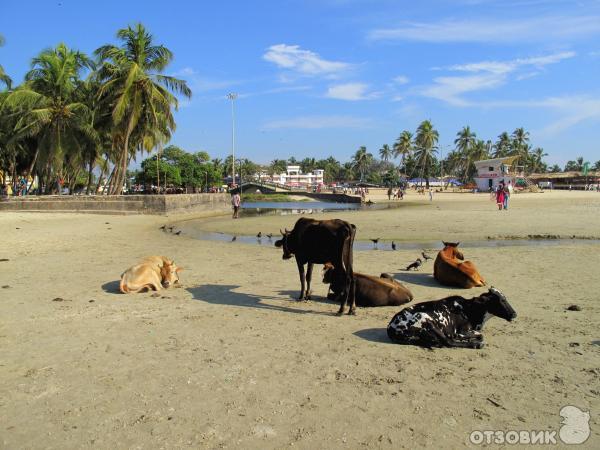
(295, 178)
(490, 172)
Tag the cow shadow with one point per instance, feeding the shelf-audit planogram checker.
(112, 287)
(217, 294)
(378, 335)
(420, 279)
(313, 298)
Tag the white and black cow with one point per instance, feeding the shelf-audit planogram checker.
(450, 322)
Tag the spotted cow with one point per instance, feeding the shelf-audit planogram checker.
(450, 322)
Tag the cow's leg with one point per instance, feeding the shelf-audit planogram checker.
(302, 279)
(470, 342)
(352, 296)
(309, 271)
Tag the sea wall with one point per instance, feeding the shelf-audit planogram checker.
(203, 204)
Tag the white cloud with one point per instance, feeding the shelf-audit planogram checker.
(306, 62)
(350, 91)
(401, 79)
(487, 75)
(538, 29)
(319, 122)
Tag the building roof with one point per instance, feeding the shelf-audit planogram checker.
(505, 160)
(564, 175)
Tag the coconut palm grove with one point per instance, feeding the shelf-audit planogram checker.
(77, 123)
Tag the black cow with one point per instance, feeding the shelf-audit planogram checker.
(450, 322)
(321, 241)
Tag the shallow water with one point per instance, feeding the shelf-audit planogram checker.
(385, 245)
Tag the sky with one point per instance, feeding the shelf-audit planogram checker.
(316, 78)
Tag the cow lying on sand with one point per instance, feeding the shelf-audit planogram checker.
(321, 241)
(154, 272)
(450, 322)
(450, 268)
(370, 290)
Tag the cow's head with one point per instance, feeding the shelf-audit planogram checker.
(284, 243)
(169, 274)
(452, 248)
(497, 304)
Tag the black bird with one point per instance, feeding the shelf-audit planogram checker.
(425, 256)
(415, 265)
(375, 241)
(233, 238)
(178, 233)
(170, 229)
(163, 227)
(270, 235)
(393, 245)
(259, 235)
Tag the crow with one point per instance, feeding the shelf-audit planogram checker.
(233, 238)
(259, 235)
(170, 228)
(163, 227)
(415, 265)
(393, 245)
(426, 256)
(270, 235)
(375, 241)
(178, 233)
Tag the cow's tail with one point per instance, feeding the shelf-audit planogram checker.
(348, 262)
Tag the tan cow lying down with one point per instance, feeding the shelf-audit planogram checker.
(370, 290)
(154, 272)
(450, 268)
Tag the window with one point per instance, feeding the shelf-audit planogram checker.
(491, 169)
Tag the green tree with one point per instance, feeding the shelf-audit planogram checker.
(385, 152)
(4, 78)
(554, 169)
(403, 146)
(520, 147)
(426, 140)
(503, 145)
(597, 165)
(51, 112)
(142, 97)
(464, 142)
(361, 161)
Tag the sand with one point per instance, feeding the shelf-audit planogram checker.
(231, 360)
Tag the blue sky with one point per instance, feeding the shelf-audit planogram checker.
(323, 77)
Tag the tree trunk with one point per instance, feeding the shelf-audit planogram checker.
(37, 151)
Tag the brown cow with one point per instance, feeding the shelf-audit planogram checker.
(450, 268)
(154, 272)
(370, 290)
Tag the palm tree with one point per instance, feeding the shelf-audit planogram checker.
(385, 152)
(537, 160)
(425, 143)
(361, 160)
(50, 110)
(403, 146)
(520, 148)
(3, 77)
(141, 96)
(465, 139)
(502, 147)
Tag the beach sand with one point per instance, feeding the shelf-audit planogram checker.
(231, 360)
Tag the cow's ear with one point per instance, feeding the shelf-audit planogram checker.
(279, 243)
(445, 244)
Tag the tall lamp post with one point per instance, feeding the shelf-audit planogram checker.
(232, 96)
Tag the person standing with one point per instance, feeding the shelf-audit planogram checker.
(500, 196)
(507, 194)
(235, 202)
(430, 194)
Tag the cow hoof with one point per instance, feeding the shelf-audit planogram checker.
(308, 297)
(352, 312)
(339, 313)
(479, 345)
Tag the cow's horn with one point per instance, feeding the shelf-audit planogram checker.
(282, 233)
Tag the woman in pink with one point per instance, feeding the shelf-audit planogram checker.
(500, 196)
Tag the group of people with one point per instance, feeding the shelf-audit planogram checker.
(393, 193)
(502, 194)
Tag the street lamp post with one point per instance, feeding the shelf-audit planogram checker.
(232, 96)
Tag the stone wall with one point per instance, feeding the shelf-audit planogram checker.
(209, 204)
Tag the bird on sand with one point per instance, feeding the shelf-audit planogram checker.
(163, 227)
(259, 235)
(233, 238)
(393, 245)
(415, 265)
(425, 256)
(270, 235)
(375, 241)
(178, 233)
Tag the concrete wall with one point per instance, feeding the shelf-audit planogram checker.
(123, 204)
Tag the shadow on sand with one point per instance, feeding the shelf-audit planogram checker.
(112, 287)
(420, 279)
(378, 335)
(224, 295)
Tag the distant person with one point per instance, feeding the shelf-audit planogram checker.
(507, 193)
(235, 203)
(430, 194)
(389, 193)
(500, 196)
